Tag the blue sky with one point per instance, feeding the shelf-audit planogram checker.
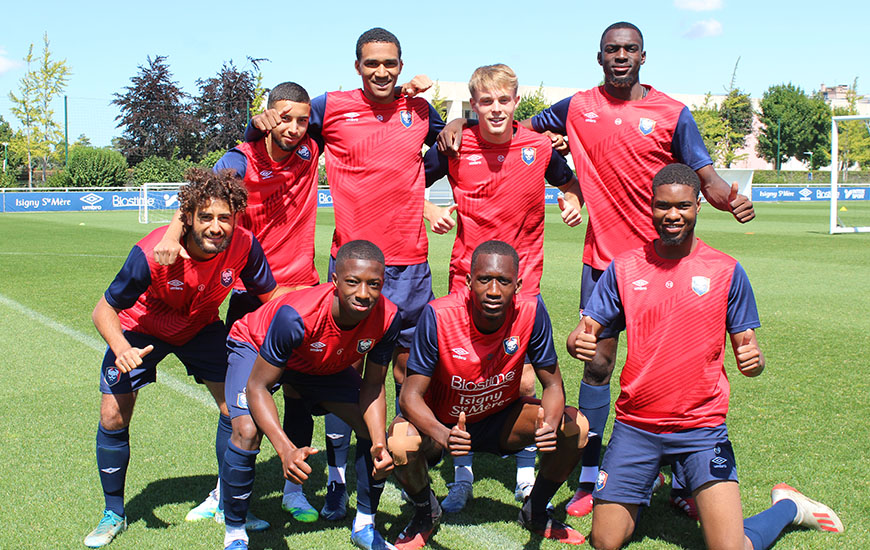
(691, 45)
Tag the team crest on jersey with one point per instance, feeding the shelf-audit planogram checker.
(304, 152)
(227, 277)
(529, 155)
(112, 376)
(646, 126)
(511, 345)
(700, 285)
(601, 482)
(363, 346)
(242, 399)
(405, 117)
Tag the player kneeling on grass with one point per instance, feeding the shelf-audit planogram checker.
(462, 393)
(150, 311)
(309, 340)
(679, 297)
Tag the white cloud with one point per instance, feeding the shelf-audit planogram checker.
(698, 5)
(703, 29)
(7, 64)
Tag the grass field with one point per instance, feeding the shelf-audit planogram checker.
(804, 421)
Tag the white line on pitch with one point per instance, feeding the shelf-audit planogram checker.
(61, 254)
(97, 345)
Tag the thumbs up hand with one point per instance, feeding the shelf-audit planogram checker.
(741, 206)
(545, 435)
(582, 342)
(750, 360)
(459, 441)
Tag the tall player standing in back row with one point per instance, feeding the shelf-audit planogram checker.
(373, 143)
(280, 174)
(498, 181)
(621, 134)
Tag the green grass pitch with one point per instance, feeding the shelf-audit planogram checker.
(804, 421)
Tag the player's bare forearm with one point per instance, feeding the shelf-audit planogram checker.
(417, 411)
(723, 196)
(108, 324)
(262, 406)
(450, 137)
(373, 401)
(167, 251)
(552, 394)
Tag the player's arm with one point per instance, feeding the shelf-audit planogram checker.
(108, 324)
(723, 196)
(264, 376)
(450, 137)
(605, 305)
(263, 123)
(747, 352)
(583, 341)
(132, 281)
(552, 122)
(257, 275)
(417, 411)
(560, 175)
(417, 85)
(169, 248)
(553, 405)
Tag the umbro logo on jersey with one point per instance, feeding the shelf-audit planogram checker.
(227, 277)
(459, 353)
(475, 159)
(351, 117)
(109, 470)
(405, 117)
(266, 174)
(700, 285)
(175, 284)
(529, 155)
(646, 126)
(304, 152)
(317, 346)
(591, 116)
(640, 284)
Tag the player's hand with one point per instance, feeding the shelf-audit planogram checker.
(741, 206)
(294, 464)
(560, 144)
(545, 435)
(572, 216)
(450, 137)
(439, 218)
(582, 342)
(382, 460)
(750, 360)
(169, 250)
(417, 85)
(459, 441)
(269, 119)
(132, 358)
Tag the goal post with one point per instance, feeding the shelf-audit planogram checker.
(836, 225)
(158, 202)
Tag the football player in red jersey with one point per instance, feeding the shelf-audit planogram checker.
(462, 393)
(674, 399)
(151, 310)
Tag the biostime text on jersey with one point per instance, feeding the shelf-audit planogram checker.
(478, 397)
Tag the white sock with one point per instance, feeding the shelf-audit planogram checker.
(526, 474)
(465, 473)
(588, 474)
(290, 487)
(362, 520)
(217, 490)
(336, 473)
(235, 533)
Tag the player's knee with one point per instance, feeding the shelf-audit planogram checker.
(527, 382)
(403, 442)
(246, 436)
(597, 372)
(574, 428)
(605, 542)
(116, 411)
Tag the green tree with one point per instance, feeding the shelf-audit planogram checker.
(96, 167)
(804, 124)
(853, 136)
(736, 112)
(714, 131)
(531, 104)
(222, 105)
(438, 102)
(25, 106)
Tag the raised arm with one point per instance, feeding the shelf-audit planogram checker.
(723, 196)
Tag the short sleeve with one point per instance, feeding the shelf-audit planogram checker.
(558, 172)
(423, 356)
(605, 305)
(233, 160)
(285, 334)
(382, 352)
(742, 310)
(541, 350)
(554, 118)
(256, 275)
(687, 146)
(131, 282)
(436, 124)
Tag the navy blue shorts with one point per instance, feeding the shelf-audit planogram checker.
(342, 387)
(410, 288)
(204, 356)
(634, 456)
(589, 279)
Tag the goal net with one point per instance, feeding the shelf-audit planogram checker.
(158, 202)
(850, 188)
